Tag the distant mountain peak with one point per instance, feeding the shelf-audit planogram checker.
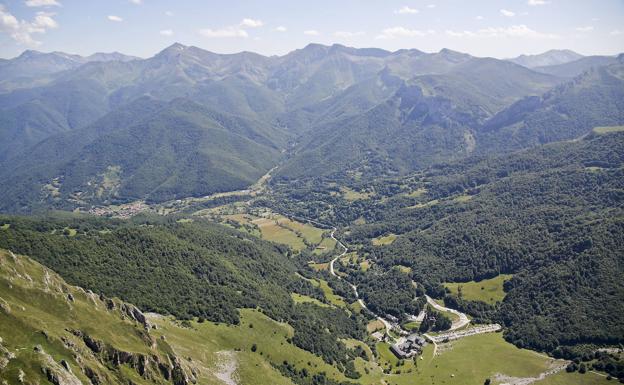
(174, 48)
(30, 53)
(550, 57)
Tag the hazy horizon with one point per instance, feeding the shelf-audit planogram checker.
(142, 28)
(286, 53)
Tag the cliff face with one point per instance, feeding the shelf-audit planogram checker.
(52, 332)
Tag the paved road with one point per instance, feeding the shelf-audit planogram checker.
(463, 318)
(345, 250)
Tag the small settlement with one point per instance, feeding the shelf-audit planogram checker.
(411, 346)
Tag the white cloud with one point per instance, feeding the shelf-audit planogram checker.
(398, 32)
(405, 10)
(137, 2)
(281, 28)
(166, 32)
(616, 32)
(587, 28)
(311, 32)
(431, 6)
(114, 18)
(251, 23)
(42, 3)
(238, 30)
(479, 17)
(348, 34)
(224, 32)
(21, 31)
(507, 13)
(537, 2)
(168, 13)
(515, 31)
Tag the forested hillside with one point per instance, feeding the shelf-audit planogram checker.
(81, 132)
(551, 216)
(187, 269)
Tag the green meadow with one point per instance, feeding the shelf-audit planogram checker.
(487, 290)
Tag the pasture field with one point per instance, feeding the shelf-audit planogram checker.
(412, 325)
(416, 193)
(272, 231)
(319, 266)
(280, 229)
(385, 240)
(326, 245)
(462, 198)
(374, 325)
(425, 204)
(608, 129)
(300, 298)
(312, 234)
(564, 378)
(488, 290)
(352, 195)
(403, 269)
(334, 299)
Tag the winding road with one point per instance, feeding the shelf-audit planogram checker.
(458, 324)
(462, 321)
(345, 250)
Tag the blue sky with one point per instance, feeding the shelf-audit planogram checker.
(502, 28)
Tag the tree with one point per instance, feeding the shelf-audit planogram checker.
(582, 368)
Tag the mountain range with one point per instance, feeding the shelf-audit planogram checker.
(108, 128)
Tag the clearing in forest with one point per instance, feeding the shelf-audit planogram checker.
(488, 290)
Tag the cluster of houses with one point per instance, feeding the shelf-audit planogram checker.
(408, 348)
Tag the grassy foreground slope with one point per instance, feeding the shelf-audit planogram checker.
(56, 333)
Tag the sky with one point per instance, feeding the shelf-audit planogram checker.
(496, 28)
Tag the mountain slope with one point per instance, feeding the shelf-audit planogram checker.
(577, 67)
(593, 99)
(191, 269)
(54, 333)
(149, 149)
(418, 121)
(548, 58)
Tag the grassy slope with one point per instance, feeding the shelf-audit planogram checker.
(608, 129)
(385, 240)
(487, 290)
(36, 311)
(279, 229)
(204, 341)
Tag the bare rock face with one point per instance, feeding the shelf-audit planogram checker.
(5, 356)
(134, 313)
(150, 367)
(65, 365)
(4, 306)
(56, 373)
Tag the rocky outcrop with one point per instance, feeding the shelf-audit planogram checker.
(150, 367)
(5, 355)
(56, 373)
(134, 313)
(4, 306)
